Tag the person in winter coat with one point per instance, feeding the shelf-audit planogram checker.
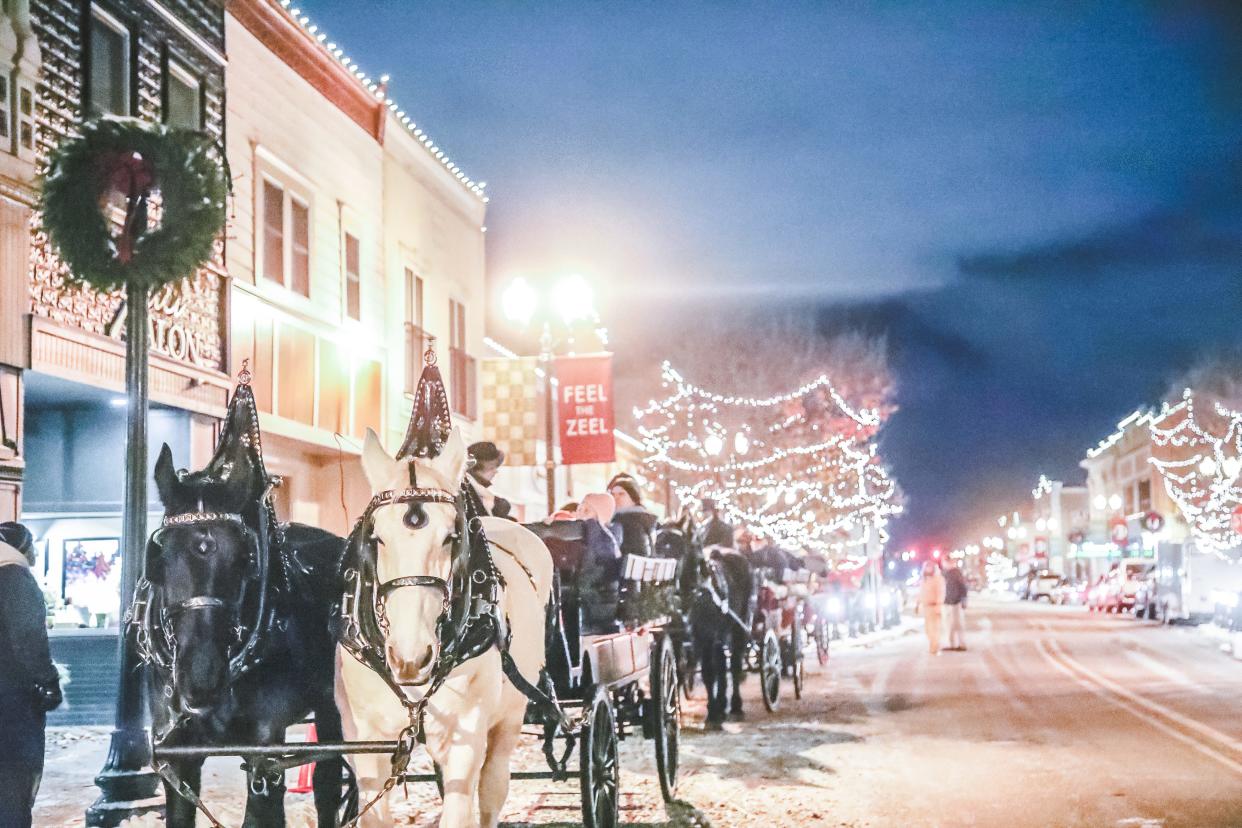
(716, 531)
(931, 604)
(599, 579)
(29, 684)
(955, 590)
(486, 461)
(632, 524)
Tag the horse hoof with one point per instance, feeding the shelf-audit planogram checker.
(737, 716)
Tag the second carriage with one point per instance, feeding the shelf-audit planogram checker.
(610, 658)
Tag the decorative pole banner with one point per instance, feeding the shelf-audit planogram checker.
(584, 410)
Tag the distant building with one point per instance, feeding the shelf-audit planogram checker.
(1059, 514)
(1129, 510)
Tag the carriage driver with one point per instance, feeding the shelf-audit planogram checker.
(486, 460)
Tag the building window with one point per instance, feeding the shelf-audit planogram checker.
(285, 238)
(461, 364)
(183, 98)
(25, 116)
(353, 277)
(109, 70)
(415, 334)
(1144, 495)
(273, 232)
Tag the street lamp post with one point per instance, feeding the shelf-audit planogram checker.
(573, 300)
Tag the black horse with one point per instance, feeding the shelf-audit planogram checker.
(715, 590)
(233, 618)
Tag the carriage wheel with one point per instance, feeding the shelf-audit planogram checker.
(770, 671)
(665, 712)
(599, 768)
(797, 651)
(687, 670)
(823, 636)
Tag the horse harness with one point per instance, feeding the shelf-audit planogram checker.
(471, 621)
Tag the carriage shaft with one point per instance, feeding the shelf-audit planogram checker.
(309, 750)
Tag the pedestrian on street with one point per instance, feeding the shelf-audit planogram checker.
(29, 684)
(931, 603)
(955, 589)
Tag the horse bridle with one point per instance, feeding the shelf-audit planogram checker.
(242, 660)
(393, 497)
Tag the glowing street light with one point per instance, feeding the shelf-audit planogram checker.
(574, 299)
(713, 445)
(520, 301)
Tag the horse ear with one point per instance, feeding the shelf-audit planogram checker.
(378, 466)
(452, 460)
(166, 476)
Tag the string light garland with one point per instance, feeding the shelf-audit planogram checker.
(1200, 468)
(379, 91)
(773, 464)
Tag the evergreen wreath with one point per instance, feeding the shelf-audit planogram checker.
(135, 158)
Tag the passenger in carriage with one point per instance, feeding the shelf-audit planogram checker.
(486, 459)
(716, 530)
(632, 524)
(768, 554)
(599, 579)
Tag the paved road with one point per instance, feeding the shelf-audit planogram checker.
(1053, 718)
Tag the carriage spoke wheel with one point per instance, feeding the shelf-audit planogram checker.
(797, 651)
(599, 768)
(665, 712)
(770, 671)
(823, 635)
(688, 671)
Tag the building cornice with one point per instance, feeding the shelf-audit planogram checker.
(276, 29)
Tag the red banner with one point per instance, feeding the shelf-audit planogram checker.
(584, 409)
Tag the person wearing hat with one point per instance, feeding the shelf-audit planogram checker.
(29, 683)
(486, 460)
(716, 531)
(632, 523)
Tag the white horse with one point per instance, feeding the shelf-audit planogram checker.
(474, 720)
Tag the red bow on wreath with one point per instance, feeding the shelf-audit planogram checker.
(131, 175)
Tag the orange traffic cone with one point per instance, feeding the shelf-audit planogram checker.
(306, 772)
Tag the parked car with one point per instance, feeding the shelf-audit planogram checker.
(1190, 585)
(1070, 592)
(1042, 585)
(1121, 584)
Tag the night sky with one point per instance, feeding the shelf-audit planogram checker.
(1037, 203)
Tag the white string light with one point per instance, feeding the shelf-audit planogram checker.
(380, 93)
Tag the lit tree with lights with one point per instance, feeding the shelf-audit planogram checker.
(801, 467)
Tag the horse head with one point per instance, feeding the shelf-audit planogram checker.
(414, 538)
(204, 563)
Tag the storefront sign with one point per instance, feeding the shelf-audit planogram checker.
(584, 409)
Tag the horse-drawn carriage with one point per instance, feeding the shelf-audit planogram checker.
(778, 630)
(437, 630)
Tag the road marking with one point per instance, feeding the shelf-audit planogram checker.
(1046, 651)
(1166, 672)
(1155, 707)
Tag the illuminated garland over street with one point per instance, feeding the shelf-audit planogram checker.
(769, 464)
(1200, 463)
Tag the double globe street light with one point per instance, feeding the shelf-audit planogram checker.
(570, 303)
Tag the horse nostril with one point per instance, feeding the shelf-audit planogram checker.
(426, 659)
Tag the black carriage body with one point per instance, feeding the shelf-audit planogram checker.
(609, 612)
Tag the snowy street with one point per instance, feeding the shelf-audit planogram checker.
(1053, 717)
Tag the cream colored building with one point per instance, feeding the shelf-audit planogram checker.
(1123, 487)
(350, 240)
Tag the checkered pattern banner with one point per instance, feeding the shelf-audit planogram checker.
(510, 397)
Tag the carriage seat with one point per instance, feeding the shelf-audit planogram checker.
(589, 563)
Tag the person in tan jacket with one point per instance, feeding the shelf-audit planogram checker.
(931, 604)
